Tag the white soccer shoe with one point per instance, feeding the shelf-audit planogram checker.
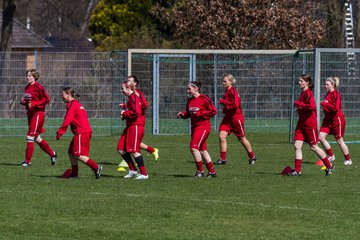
(142, 177)
(131, 174)
(347, 162)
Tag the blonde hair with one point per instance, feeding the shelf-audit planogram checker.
(34, 73)
(335, 81)
(230, 77)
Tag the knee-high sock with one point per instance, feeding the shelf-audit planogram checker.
(140, 162)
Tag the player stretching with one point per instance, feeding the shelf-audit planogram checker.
(129, 142)
(79, 148)
(154, 151)
(199, 109)
(334, 120)
(233, 120)
(306, 128)
(35, 100)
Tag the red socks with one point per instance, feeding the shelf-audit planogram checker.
(210, 167)
(199, 166)
(46, 148)
(29, 151)
(91, 163)
(150, 149)
(223, 156)
(298, 165)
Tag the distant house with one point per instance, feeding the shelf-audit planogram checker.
(24, 39)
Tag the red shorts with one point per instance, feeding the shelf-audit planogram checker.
(131, 138)
(36, 124)
(338, 131)
(80, 145)
(308, 135)
(233, 125)
(198, 139)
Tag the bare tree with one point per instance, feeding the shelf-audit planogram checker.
(9, 7)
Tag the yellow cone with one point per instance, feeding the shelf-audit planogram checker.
(121, 169)
(123, 164)
(323, 167)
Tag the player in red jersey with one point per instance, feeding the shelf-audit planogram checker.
(35, 100)
(199, 109)
(306, 128)
(76, 117)
(129, 142)
(334, 120)
(154, 151)
(233, 121)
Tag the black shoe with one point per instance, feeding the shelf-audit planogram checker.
(199, 174)
(25, 164)
(98, 171)
(211, 175)
(252, 160)
(220, 162)
(294, 174)
(329, 171)
(53, 159)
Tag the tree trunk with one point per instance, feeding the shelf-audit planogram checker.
(9, 7)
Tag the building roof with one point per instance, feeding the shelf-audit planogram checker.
(23, 38)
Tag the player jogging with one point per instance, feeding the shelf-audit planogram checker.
(35, 100)
(306, 128)
(76, 117)
(199, 109)
(334, 121)
(233, 121)
(154, 151)
(129, 142)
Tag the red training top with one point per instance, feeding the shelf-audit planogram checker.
(77, 118)
(306, 109)
(332, 108)
(232, 104)
(36, 94)
(200, 110)
(134, 113)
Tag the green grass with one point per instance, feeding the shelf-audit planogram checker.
(243, 202)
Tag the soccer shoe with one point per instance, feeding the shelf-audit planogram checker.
(220, 162)
(347, 162)
(252, 160)
(331, 158)
(131, 174)
(142, 177)
(199, 174)
(25, 164)
(53, 159)
(155, 154)
(329, 171)
(294, 174)
(211, 175)
(98, 171)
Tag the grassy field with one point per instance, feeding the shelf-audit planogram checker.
(243, 202)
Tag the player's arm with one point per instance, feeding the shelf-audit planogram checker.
(69, 117)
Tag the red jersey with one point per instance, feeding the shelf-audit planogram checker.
(200, 110)
(36, 94)
(134, 113)
(306, 109)
(332, 108)
(231, 103)
(76, 116)
(144, 103)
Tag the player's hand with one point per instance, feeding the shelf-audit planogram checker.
(222, 101)
(180, 115)
(23, 101)
(58, 136)
(122, 105)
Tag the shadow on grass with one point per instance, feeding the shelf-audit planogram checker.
(61, 177)
(11, 164)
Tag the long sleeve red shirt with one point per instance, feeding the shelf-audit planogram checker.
(134, 113)
(200, 110)
(38, 97)
(231, 103)
(76, 117)
(332, 108)
(306, 109)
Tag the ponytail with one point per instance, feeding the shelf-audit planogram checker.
(72, 92)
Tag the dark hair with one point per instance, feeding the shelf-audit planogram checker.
(71, 91)
(196, 84)
(33, 73)
(307, 79)
(135, 79)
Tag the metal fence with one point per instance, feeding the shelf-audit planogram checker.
(266, 81)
